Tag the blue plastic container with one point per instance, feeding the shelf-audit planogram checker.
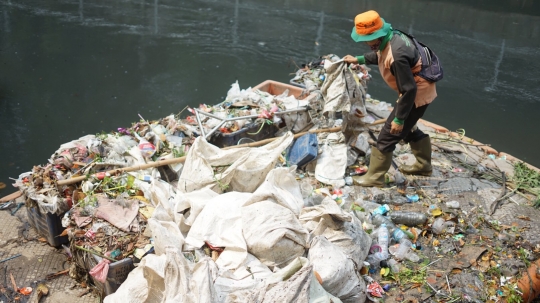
(47, 225)
(303, 150)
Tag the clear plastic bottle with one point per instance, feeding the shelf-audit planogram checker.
(383, 238)
(378, 219)
(398, 234)
(408, 218)
(375, 259)
(368, 206)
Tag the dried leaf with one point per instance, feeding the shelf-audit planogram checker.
(436, 242)
(436, 212)
(318, 277)
(64, 233)
(43, 240)
(524, 218)
(13, 281)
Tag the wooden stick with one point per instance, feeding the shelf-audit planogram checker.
(183, 159)
(11, 196)
(377, 122)
(13, 282)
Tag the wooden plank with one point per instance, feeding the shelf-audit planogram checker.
(10, 197)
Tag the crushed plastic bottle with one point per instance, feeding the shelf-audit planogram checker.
(452, 204)
(441, 226)
(388, 198)
(403, 249)
(408, 218)
(378, 219)
(375, 259)
(398, 234)
(394, 265)
(368, 206)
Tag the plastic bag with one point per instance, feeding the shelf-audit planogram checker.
(331, 164)
(100, 271)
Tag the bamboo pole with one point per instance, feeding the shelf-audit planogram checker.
(183, 159)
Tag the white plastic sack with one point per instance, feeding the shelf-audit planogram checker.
(248, 166)
(342, 229)
(168, 278)
(165, 234)
(195, 201)
(338, 272)
(235, 285)
(273, 233)
(351, 238)
(331, 164)
(220, 224)
(144, 284)
(281, 187)
(295, 283)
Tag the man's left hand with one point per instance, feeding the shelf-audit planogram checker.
(396, 128)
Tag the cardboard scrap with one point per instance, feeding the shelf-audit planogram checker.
(467, 256)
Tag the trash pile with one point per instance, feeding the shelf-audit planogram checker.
(156, 212)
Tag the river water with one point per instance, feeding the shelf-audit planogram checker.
(69, 68)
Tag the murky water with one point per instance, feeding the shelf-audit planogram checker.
(71, 68)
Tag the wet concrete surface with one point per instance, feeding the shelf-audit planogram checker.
(37, 260)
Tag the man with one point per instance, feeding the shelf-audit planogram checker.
(399, 62)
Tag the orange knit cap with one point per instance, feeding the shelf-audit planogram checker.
(368, 22)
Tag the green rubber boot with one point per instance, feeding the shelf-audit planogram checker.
(378, 166)
(422, 151)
